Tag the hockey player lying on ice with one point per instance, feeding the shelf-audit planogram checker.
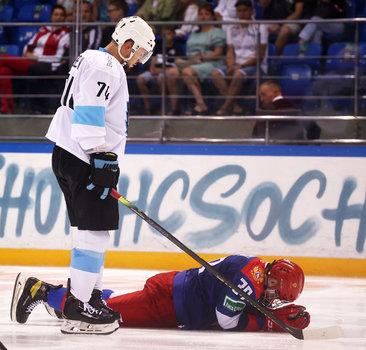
(191, 299)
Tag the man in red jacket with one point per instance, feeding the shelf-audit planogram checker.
(43, 55)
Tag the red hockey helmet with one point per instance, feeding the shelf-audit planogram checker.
(289, 279)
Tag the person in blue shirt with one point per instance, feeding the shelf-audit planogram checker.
(192, 299)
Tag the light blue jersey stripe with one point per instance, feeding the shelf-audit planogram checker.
(86, 260)
(89, 115)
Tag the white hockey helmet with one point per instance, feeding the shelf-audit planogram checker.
(136, 29)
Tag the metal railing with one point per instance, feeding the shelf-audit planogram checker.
(358, 98)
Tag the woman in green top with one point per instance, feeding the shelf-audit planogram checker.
(205, 52)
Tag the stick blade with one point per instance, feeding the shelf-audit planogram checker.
(323, 333)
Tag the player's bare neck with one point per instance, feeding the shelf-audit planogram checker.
(112, 48)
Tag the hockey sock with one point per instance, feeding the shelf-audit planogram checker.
(99, 282)
(106, 294)
(56, 297)
(87, 259)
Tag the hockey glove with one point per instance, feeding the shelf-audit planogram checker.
(104, 173)
(293, 315)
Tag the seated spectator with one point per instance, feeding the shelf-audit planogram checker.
(117, 9)
(273, 103)
(324, 9)
(241, 57)
(282, 9)
(43, 55)
(155, 74)
(91, 35)
(188, 12)
(158, 10)
(205, 49)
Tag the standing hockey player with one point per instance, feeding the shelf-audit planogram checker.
(193, 299)
(89, 131)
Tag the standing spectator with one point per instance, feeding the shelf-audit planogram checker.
(324, 9)
(92, 35)
(158, 10)
(188, 12)
(43, 55)
(241, 57)
(117, 9)
(155, 73)
(282, 9)
(205, 49)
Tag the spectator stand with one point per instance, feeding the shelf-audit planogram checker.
(9, 49)
(297, 75)
(22, 19)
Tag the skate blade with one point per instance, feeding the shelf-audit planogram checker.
(17, 292)
(78, 327)
(51, 311)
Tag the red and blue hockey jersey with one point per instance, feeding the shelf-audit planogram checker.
(201, 301)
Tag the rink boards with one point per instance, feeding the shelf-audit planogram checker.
(304, 202)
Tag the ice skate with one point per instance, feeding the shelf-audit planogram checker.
(27, 294)
(97, 302)
(82, 318)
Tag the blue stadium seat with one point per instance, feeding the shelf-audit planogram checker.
(341, 64)
(360, 7)
(291, 55)
(296, 80)
(45, 13)
(272, 60)
(132, 9)
(362, 27)
(19, 3)
(351, 9)
(258, 10)
(9, 49)
(34, 13)
(6, 13)
(363, 32)
(362, 52)
(21, 35)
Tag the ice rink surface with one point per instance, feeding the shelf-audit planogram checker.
(330, 301)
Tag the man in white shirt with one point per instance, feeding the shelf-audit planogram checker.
(241, 57)
(89, 130)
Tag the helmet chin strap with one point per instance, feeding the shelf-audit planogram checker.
(125, 59)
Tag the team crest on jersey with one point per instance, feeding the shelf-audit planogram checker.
(257, 274)
(109, 61)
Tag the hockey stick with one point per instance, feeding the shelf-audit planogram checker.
(322, 333)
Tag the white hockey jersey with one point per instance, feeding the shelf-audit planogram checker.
(94, 107)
